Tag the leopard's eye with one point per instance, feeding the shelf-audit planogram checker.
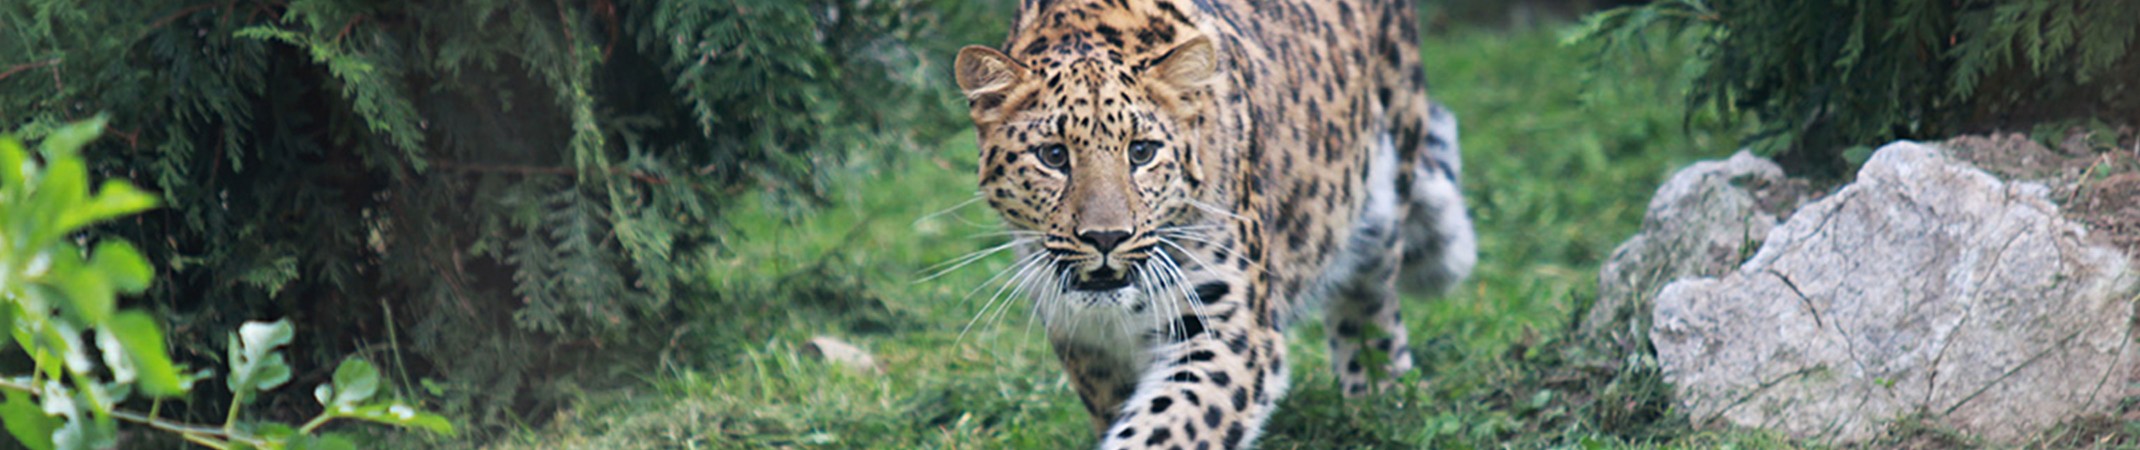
(1141, 152)
(1053, 155)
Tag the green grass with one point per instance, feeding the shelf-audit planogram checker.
(1559, 163)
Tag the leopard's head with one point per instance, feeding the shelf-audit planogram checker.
(1093, 153)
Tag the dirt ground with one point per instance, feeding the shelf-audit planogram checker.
(2098, 184)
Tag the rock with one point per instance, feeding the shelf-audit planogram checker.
(1702, 222)
(842, 353)
(1925, 289)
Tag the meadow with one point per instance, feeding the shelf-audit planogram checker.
(1562, 150)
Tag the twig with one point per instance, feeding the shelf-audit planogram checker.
(190, 431)
(11, 71)
(182, 12)
(353, 21)
(175, 427)
(19, 387)
(538, 170)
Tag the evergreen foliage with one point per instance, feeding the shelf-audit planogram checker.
(492, 191)
(1824, 76)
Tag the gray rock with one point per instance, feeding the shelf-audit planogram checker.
(842, 353)
(1926, 289)
(1704, 220)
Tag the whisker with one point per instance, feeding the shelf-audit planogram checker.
(1173, 318)
(1189, 227)
(1222, 212)
(1222, 250)
(977, 197)
(1015, 267)
(969, 258)
(993, 298)
(1182, 283)
(1146, 284)
(1019, 233)
(1001, 311)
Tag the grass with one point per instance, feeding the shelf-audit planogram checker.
(1559, 162)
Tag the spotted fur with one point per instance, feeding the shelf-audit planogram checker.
(1190, 175)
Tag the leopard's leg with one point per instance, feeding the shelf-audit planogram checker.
(1368, 342)
(1440, 249)
(1102, 380)
(1211, 388)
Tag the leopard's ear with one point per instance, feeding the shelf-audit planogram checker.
(985, 75)
(1187, 66)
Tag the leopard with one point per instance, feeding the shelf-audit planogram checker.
(1182, 180)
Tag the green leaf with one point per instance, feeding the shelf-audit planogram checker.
(7, 325)
(68, 140)
(274, 431)
(355, 381)
(254, 363)
(15, 164)
(60, 190)
(272, 374)
(399, 415)
(144, 345)
(89, 295)
(27, 422)
(114, 199)
(324, 394)
(122, 265)
(322, 442)
(86, 435)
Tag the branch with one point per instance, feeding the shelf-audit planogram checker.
(177, 427)
(18, 387)
(353, 21)
(11, 71)
(538, 170)
(182, 12)
(191, 432)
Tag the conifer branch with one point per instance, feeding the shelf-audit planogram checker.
(174, 16)
(11, 71)
(539, 170)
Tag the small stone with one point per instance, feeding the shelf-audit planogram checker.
(842, 353)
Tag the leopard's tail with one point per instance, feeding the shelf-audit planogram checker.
(1439, 246)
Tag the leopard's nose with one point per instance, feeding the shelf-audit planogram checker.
(1104, 240)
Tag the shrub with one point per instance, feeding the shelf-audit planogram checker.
(1823, 76)
(52, 294)
(502, 191)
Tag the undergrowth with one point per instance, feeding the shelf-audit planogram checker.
(1559, 165)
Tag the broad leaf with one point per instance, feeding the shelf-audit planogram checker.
(254, 363)
(355, 381)
(15, 167)
(324, 394)
(27, 422)
(89, 295)
(114, 200)
(60, 188)
(144, 345)
(400, 415)
(69, 139)
(7, 324)
(322, 442)
(122, 265)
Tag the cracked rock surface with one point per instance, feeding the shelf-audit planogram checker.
(1926, 288)
(1703, 221)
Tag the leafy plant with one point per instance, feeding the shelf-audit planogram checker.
(1823, 76)
(52, 294)
(510, 188)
